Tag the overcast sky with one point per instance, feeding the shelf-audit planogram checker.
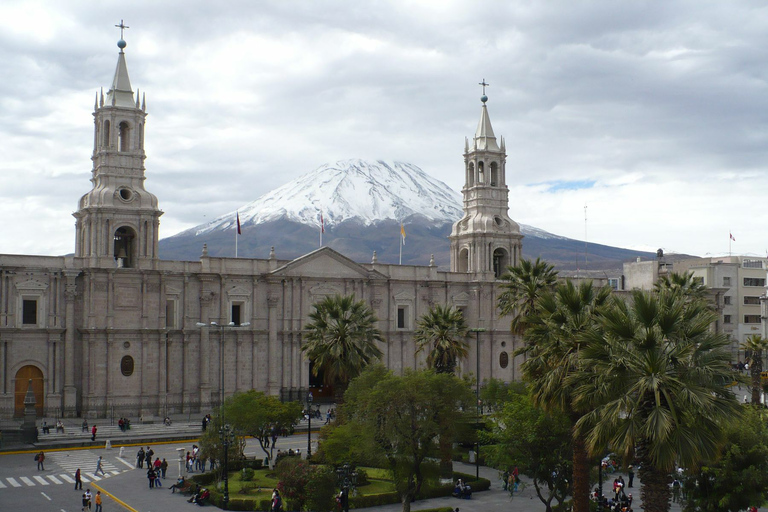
(650, 114)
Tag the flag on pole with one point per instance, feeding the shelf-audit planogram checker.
(322, 222)
(402, 233)
(238, 224)
(732, 238)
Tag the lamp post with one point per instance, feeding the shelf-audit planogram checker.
(347, 478)
(477, 331)
(309, 426)
(227, 436)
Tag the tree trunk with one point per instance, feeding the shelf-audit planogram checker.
(580, 476)
(654, 488)
(446, 456)
(755, 369)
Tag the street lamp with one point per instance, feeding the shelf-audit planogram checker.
(227, 436)
(477, 331)
(309, 427)
(347, 478)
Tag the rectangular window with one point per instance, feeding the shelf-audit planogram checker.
(727, 299)
(170, 314)
(726, 281)
(726, 319)
(751, 319)
(236, 310)
(401, 317)
(751, 301)
(698, 279)
(613, 283)
(29, 312)
(754, 281)
(752, 264)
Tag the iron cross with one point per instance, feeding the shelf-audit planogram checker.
(481, 83)
(122, 26)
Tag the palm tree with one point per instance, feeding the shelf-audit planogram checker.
(755, 344)
(441, 331)
(686, 283)
(341, 340)
(525, 283)
(658, 375)
(554, 338)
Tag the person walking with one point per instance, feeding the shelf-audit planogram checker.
(163, 467)
(93, 433)
(98, 467)
(78, 480)
(140, 458)
(88, 497)
(630, 476)
(98, 501)
(40, 458)
(151, 477)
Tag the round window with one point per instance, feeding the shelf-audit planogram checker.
(126, 366)
(503, 359)
(126, 194)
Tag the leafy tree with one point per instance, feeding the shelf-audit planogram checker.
(255, 414)
(524, 284)
(321, 489)
(211, 447)
(495, 393)
(756, 345)
(293, 475)
(658, 374)
(738, 478)
(398, 419)
(441, 331)
(539, 443)
(341, 340)
(553, 342)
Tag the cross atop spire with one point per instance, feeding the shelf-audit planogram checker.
(122, 26)
(483, 83)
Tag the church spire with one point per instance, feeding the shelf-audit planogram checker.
(484, 136)
(120, 93)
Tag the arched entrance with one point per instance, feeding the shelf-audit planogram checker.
(23, 376)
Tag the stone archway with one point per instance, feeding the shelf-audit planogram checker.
(21, 382)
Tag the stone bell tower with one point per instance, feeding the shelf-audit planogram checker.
(486, 240)
(118, 220)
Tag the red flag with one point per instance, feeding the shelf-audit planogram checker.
(238, 224)
(732, 238)
(322, 223)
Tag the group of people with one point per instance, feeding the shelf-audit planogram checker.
(462, 490)
(143, 457)
(510, 479)
(195, 461)
(59, 427)
(206, 421)
(124, 424)
(200, 497)
(87, 500)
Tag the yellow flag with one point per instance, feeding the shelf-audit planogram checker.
(402, 233)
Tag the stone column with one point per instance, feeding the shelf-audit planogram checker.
(274, 354)
(70, 390)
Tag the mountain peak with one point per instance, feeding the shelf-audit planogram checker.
(351, 190)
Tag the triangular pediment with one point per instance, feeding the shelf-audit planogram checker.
(170, 290)
(326, 263)
(460, 299)
(238, 291)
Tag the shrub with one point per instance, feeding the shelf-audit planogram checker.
(247, 474)
(362, 477)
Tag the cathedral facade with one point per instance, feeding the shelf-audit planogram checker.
(116, 331)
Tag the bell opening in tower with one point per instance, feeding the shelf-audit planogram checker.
(124, 250)
(500, 262)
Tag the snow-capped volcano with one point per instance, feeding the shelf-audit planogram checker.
(366, 192)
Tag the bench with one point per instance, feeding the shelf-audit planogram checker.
(185, 488)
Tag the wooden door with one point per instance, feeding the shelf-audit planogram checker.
(23, 377)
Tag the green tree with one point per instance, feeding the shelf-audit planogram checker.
(658, 374)
(495, 393)
(398, 419)
(553, 343)
(441, 331)
(211, 447)
(524, 284)
(341, 340)
(687, 284)
(738, 478)
(756, 345)
(539, 443)
(255, 414)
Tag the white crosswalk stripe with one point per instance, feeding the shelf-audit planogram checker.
(85, 460)
(13, 482)
(67, 479)
(2, 485)
(42, 480)
(55, 480)
(27, 481)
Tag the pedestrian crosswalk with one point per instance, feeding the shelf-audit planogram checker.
(68, 463)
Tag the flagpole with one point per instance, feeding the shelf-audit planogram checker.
(401, 249)
(237, 228)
